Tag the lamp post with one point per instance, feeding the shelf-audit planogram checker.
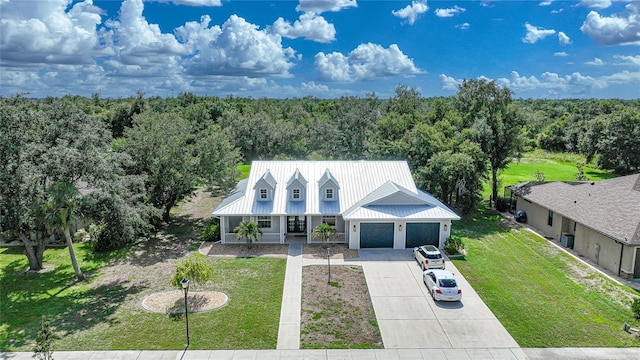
(329, 264)
(185, 286)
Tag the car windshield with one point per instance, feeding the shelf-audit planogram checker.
(434, 256)
(448, 283)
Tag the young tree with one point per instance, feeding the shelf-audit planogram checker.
(44, 341)
(61, 209)
(249, 230)
(325, 232)
(486, 107)
(196, 268)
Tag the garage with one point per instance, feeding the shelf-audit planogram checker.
(376, 235)
(422, 234)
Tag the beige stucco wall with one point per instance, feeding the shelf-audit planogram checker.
(596, 247)
(537, 217)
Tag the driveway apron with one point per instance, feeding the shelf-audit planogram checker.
(409, 318)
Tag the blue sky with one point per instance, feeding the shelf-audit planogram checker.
(322, 48)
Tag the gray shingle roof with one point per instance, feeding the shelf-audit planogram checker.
(611, 207)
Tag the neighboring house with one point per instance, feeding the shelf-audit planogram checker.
(371, 204)
(599, 220)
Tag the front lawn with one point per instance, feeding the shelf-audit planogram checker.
(542, 296)
(107, 315)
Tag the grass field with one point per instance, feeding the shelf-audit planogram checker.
(554, 167)
(110, 317)
(542, 296)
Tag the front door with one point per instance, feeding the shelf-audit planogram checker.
(296, 224)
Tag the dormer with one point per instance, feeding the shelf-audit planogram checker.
(328, 186)
(297, 187)
(265, 187)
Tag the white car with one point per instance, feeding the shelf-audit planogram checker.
(429, 257)
(442, 285)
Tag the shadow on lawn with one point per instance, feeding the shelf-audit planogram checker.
(67, 304)
(172, 241)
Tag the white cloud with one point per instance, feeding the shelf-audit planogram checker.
(628, 60)
(310, 26)
(560, 54)
(449, 83)
(572, 84)
(618, 29)
(366, 62)
(312, 86)
(320, 6)
(237, 48)
(596, 62)
(48, 33)
(557, 11)
(463, 26)
(412, 12)
(563, 39)
(596, 4)
(136, 42)
(535, 33)
(449, 12)
(545, 3)
(193, 2)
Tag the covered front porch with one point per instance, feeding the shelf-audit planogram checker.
(283, 229)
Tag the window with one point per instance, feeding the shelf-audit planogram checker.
(296, 194)
(550, 218)
(331, 220)
(264, 222)
(328, 194)
(264, 194)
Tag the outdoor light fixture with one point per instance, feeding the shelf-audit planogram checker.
(445, 227)
(354, 228)
(185, 286)
(400, 227)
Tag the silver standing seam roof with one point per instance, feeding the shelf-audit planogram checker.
(366, 190)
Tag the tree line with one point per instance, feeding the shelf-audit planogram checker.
(122, 164)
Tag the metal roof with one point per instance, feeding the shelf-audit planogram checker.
(366, 189)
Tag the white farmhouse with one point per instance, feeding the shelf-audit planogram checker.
(371, 204)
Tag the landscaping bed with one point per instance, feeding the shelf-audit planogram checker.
(338, 315)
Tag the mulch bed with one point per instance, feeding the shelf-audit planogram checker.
(340, 314)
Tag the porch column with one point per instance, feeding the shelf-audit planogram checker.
(283, 228)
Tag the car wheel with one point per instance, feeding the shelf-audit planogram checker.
(422, 266)
(433, 295)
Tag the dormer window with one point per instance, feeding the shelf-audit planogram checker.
(297, 187)
(328, 194)
(265, 187)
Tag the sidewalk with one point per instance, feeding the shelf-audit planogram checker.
(289, 329)
(378, 354)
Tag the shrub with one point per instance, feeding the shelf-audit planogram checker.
(453, 245)
(635, 307)
(211, 233)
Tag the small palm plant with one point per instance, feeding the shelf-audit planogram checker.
(325, 232)
(249, 230)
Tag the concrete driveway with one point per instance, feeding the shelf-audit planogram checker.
(409, 318)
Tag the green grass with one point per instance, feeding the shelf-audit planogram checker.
(110, 317)
(554, 167)
(244, 171)
(529, 286)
